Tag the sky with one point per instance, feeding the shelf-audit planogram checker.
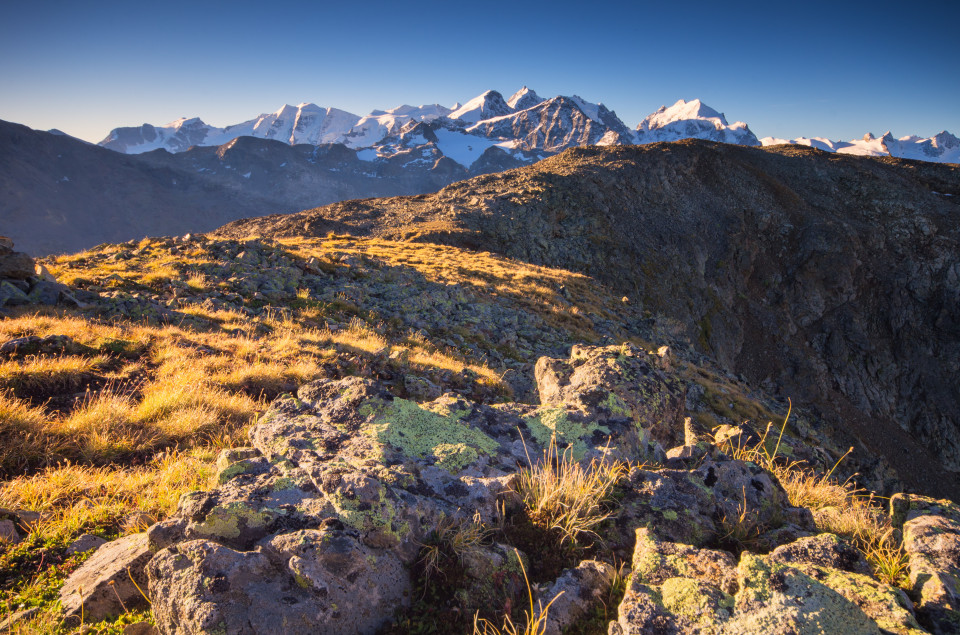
(836, 69)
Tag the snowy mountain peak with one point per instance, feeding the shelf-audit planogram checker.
(484, 106)
(589, 109)
(945, 140)
(681, 111)
(184, 122)
(523, 128)
(523, 99)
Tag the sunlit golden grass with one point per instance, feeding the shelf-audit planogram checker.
(75, 498)
(532, 287)
(49, 374)
(197, 281)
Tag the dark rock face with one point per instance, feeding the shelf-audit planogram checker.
(831, 279)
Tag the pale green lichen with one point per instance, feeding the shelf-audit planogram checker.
(669, 514)
(421, 433)
(453, 457)
(232, 470)
(881, 602)
(228, 521)
(555, 422)
(796, 602)
(617, 406)
(283, 483)
(695, 600)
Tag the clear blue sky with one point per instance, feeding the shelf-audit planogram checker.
(832, 68)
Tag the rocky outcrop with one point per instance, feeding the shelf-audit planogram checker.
(22, 281)
(931, 538)
(683, 589)
(379, 475)
(325, 523)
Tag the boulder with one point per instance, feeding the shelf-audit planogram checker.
(931, 538)
(85, 543)
(107, 584)
(303, 582)
(616, 382)
(683, 589)
(574, 594)
(15, 264)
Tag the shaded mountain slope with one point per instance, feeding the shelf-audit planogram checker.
(60, 194)
(832, 279)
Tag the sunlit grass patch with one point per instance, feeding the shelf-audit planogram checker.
(48, 374)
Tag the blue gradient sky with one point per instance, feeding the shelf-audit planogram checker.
(813, 68)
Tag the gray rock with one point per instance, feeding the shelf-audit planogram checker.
(616, 382)
(8, 533)
(108, 581)
(824, 550)
(85, 543)
(931, 538)
(11, 295)
(15, 264)
(420, 388)
(574, 594)
(46, 292)
(302, 582)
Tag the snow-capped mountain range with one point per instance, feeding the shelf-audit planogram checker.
(522, 129)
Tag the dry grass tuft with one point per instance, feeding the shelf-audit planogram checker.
(561, 494)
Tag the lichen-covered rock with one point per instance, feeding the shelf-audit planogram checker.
(616, 382)
(739, 487)
(687, 506)
(106, 584)
(823, 550)
(574, 594)
(775, 598)
(676, 588)
(656, 560)
(494, 579)
(682, 589)
(931, 538)
(674, 504)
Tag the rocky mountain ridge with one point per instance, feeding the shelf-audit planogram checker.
(385, 495)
